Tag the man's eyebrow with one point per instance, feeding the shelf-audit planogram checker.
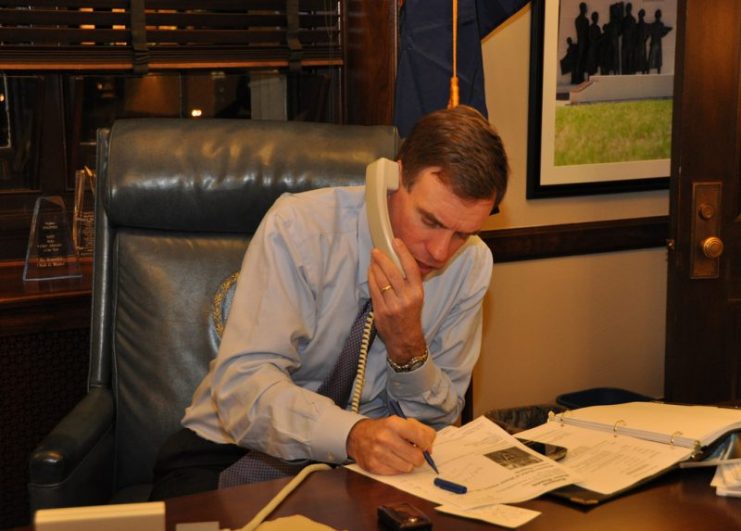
(432, 218)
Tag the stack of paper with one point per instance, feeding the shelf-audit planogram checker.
(727, 479)
(610, 463)
(494, 466)
(616, 447)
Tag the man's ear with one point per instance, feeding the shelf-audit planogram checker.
(401, 173)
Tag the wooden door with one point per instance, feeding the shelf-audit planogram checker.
(703, 346)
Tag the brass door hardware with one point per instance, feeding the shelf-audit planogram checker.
(707, 247)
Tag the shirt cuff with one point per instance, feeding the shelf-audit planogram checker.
(330, 435)
(413, 384)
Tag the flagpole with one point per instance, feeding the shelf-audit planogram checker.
(454, 94)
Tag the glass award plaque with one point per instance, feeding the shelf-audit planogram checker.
(83, 215)
(50, 253)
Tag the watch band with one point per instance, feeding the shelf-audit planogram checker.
(415, 363)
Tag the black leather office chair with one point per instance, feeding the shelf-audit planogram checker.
(177, 201)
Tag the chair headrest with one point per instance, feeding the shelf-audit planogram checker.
(223, 175)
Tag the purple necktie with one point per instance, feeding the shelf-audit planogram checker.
(257, 466)
(339, 384)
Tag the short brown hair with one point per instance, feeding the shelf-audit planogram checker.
(467, 148)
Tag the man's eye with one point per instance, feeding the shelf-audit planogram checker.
(430, 222)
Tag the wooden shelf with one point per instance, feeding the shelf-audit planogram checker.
(38, 306)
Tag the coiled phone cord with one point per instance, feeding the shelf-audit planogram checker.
(362, 358)
(355, 406)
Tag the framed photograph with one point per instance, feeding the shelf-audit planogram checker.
(600, 102)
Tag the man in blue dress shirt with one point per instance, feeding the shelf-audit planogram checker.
(308, 270)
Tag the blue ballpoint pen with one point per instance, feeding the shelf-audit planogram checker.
(396, 408)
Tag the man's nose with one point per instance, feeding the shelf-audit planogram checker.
(439, 247)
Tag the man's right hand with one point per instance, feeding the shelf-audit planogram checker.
(390, 445)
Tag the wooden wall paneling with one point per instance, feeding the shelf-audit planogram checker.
(370, 60)
(44, 351)
(42, 377)
(529, 243)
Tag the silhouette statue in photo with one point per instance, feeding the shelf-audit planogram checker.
(627, 45)
(611, 41)
(642, 33)
(657, 31)
(581, 23)
(622, 46)
(568, 62)
(594, 46)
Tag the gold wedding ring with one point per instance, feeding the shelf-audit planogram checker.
(385, 288)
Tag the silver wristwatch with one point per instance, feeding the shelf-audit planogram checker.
(415, 363)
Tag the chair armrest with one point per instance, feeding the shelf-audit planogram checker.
(73, 465)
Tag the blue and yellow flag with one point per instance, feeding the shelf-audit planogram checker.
(425, 54)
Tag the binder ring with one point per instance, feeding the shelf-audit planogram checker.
(559, 416)
(620, 422)
(675, 434)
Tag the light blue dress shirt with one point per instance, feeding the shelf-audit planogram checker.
(303, 280)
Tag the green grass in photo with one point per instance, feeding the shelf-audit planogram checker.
(593, 133)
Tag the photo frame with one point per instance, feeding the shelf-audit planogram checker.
(603, 125)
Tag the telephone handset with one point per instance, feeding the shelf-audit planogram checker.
(381, 176)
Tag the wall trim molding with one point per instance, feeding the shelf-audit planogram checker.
(551, 241)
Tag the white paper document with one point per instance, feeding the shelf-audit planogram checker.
(493, 465)
(677, 425)
(727, 480)
(608, 462)
(501, 515)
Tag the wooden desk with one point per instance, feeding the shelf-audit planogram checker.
(682, 499)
